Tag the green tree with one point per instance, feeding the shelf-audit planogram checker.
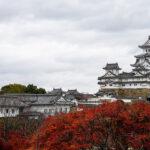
(31, 89)
(19, 88)
(41, 91)
(13, 88)
(34, 90)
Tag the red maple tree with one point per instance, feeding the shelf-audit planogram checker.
(110, 126)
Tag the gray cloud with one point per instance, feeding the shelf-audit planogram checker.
(65, 43)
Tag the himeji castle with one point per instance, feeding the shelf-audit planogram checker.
(138, 78)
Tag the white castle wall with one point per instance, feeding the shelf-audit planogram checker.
(50, 110)
(127, 86)
(9, 112)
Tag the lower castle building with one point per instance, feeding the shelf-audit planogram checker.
(35, 105)
(138, 78)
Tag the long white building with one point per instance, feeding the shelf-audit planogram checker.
(12, 105)
(138, 78)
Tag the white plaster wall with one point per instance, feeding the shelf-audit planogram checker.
(115, 72)
(50, 110)
(127, 85)
(108, 74)
(132, 86)
(12, 112)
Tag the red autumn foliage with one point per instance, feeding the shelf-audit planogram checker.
(111, 126)
(17, 141)
(12, 141)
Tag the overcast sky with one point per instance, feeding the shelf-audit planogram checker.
(65, 43)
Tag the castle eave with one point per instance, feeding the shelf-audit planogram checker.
(144, 46)
(100, 78)
(143, 55)
(131, 82)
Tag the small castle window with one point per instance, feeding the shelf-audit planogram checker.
(1, 110)
(13, 111)
(53, 111)
(56, 110)
(45, 110)
(7, 111)
(65, 110)
(50, 111)
(60, 109)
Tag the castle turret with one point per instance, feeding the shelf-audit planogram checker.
(113, 68)
(146, 46)
(142, 63)
(108, 79)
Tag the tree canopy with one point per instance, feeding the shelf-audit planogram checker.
(33, 89)
(19, 88)
(13, 88)
(110, 126)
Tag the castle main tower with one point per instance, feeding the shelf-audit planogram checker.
(138, 78)
(142, 64)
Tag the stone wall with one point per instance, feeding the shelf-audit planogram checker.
(129, 93)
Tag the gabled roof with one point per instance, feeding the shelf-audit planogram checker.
(63, 101)
(140, 68)
(74, 91)
(11, 102)
(140, 64)
(69, 97)
(105, 76)
(143, 55)
(58, 91)
(50, 100)
(113, 66)
(126, 74)
(19, 100)
(146, 44)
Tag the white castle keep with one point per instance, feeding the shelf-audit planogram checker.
(138, 78)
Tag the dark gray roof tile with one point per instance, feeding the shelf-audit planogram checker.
(11, 102)
(146, 44)
(112, 66)
(126, 75)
